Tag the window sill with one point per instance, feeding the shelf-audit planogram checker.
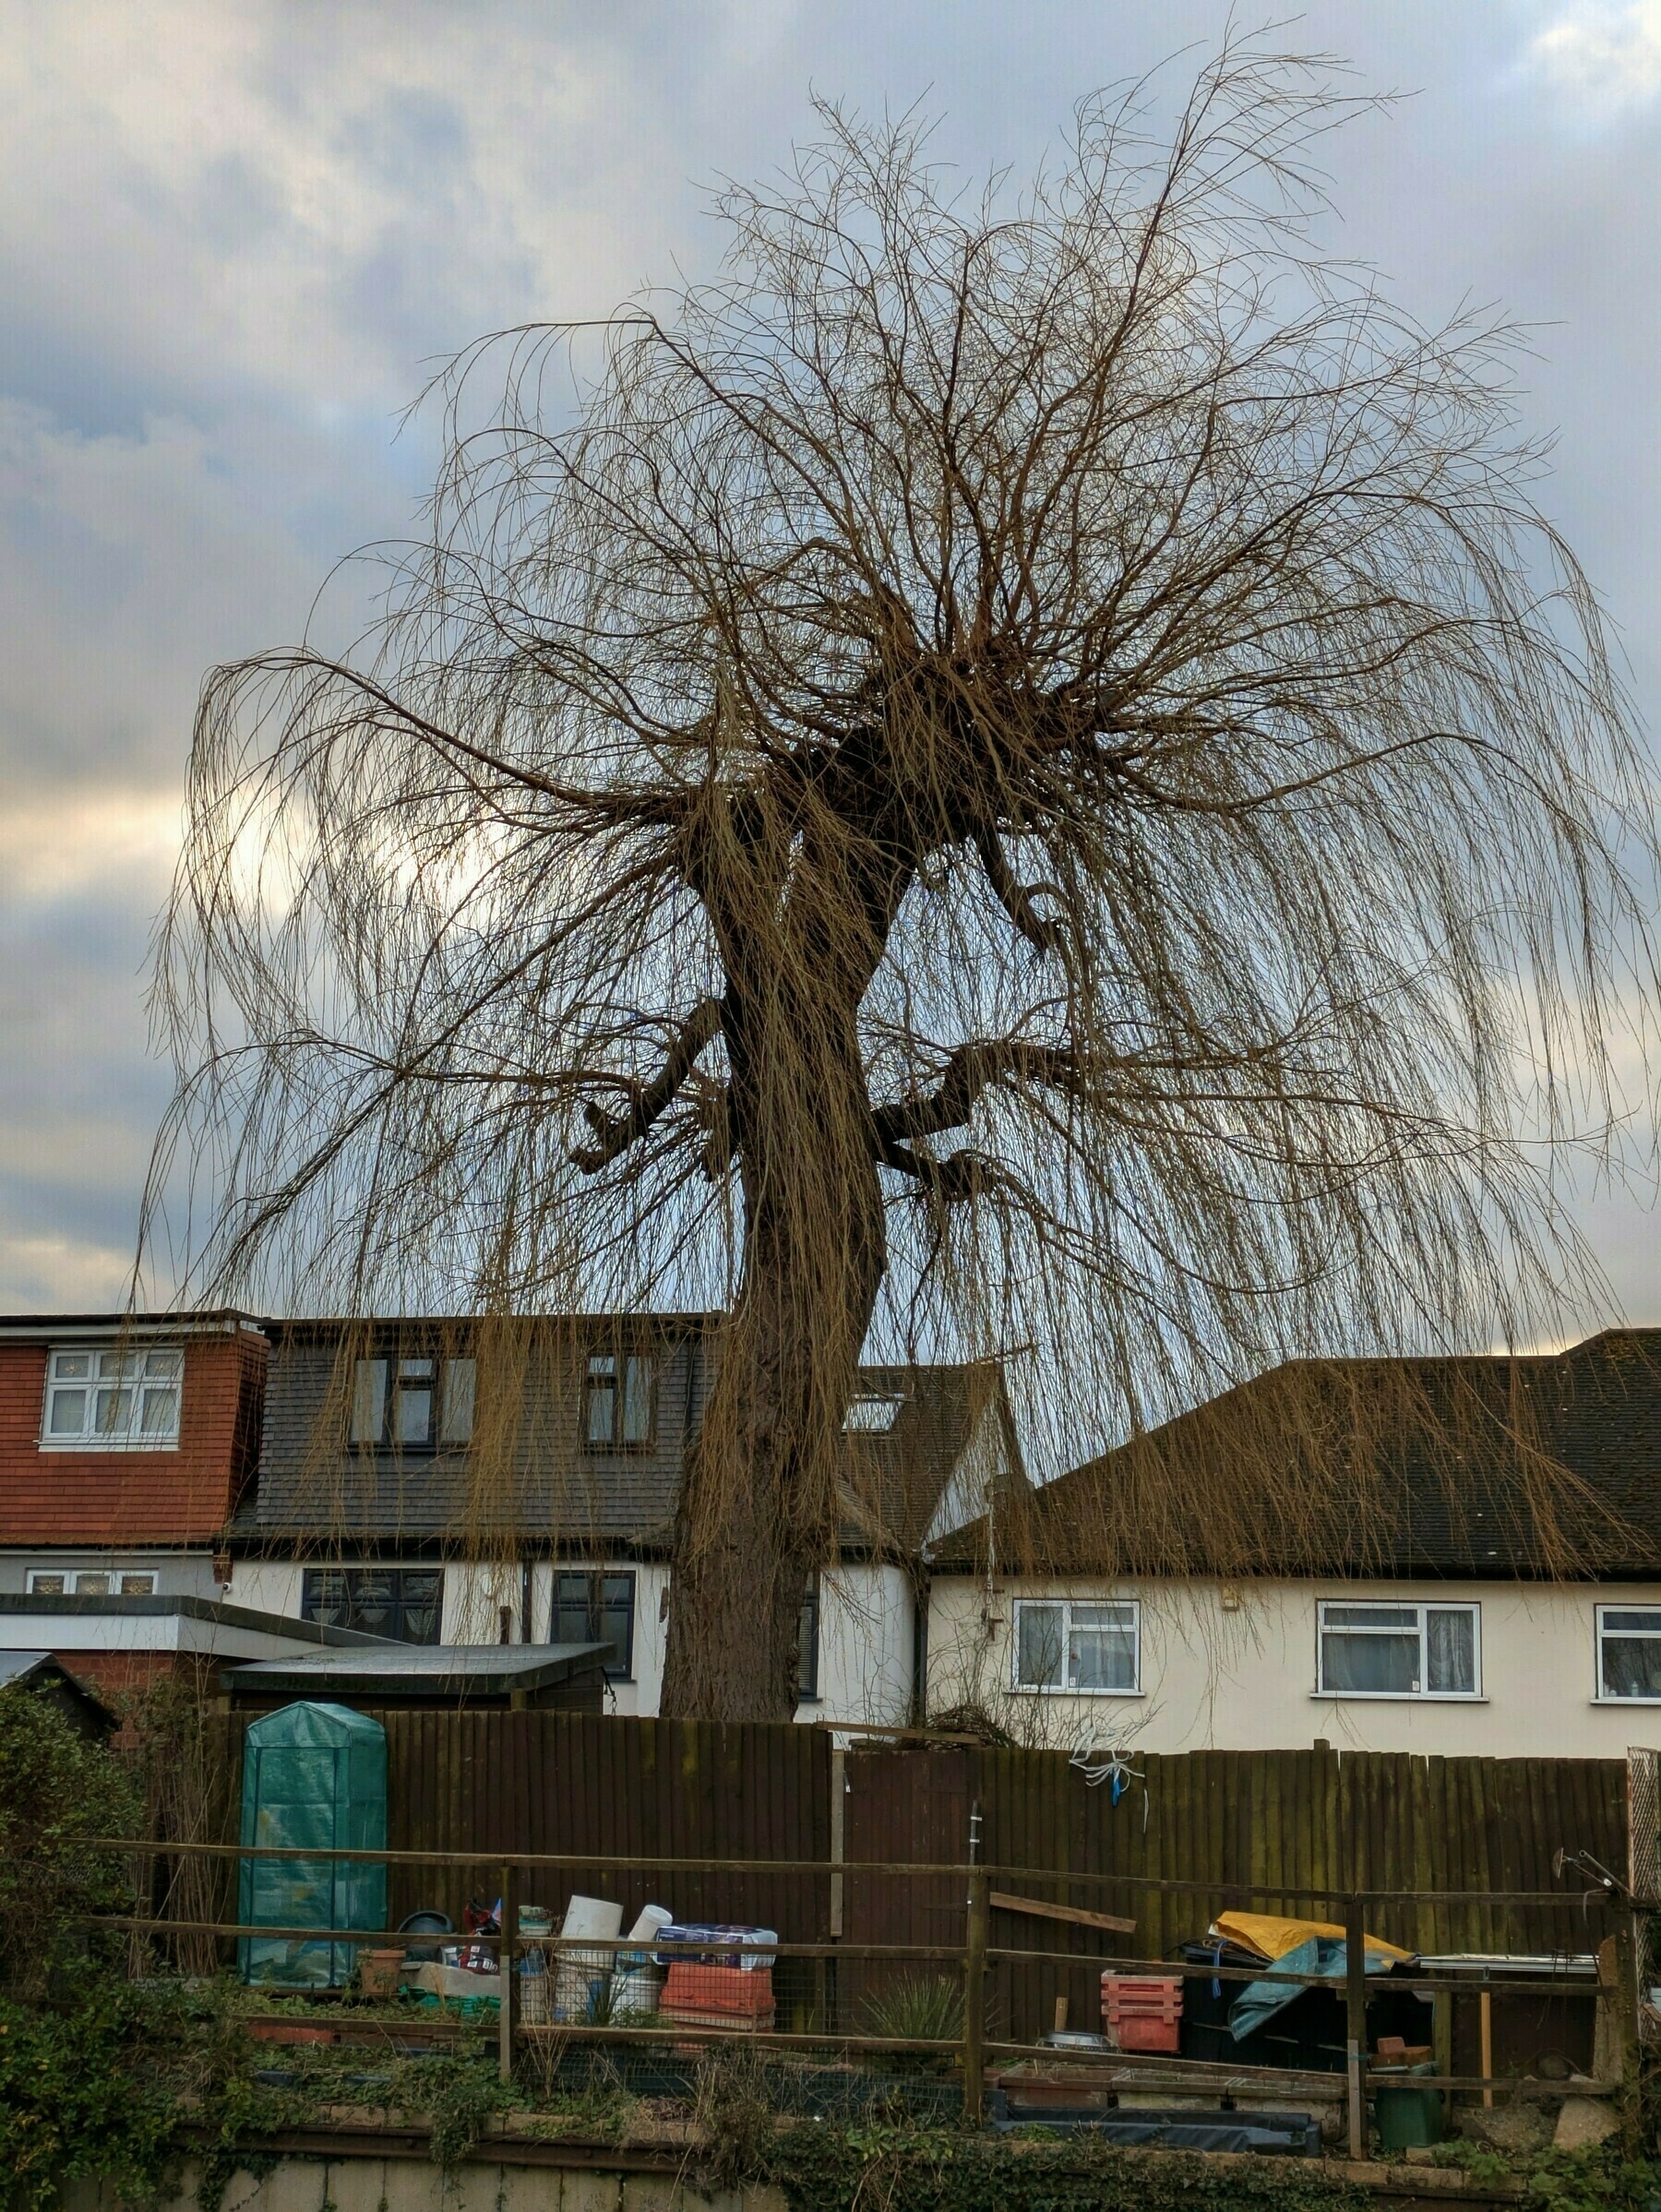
(1399, 1697)
(1036, 1690)
(1627, 1701)
(88, 1443)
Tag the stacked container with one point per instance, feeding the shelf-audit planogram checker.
(1143, 2012)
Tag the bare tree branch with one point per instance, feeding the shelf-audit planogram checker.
(616, 1132)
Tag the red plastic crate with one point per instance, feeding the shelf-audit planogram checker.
(728, 1991)
(1140, 1996)
(1144, 2011)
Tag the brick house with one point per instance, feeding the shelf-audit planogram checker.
(125, 1445)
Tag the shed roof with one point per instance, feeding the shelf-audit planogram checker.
(464, 1669)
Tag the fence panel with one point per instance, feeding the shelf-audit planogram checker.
(1306, 1820)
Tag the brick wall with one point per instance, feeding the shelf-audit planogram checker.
(110, 1498)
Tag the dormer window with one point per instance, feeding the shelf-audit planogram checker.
(122, 1401)
(873, 1414)
(619, 1402)
(419, 1404)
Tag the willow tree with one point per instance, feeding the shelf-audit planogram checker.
(1011, 767)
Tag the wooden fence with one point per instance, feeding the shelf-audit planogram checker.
(1292, 1827)
(574, 1782)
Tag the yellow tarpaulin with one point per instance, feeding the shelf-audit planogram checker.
(1273, 1937)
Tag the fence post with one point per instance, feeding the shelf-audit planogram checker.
(507, 1951)
(1354, 2009)
(975, 1997)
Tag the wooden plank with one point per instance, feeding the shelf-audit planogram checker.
(1074, 1915)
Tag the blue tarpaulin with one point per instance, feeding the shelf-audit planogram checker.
(1323, 1955)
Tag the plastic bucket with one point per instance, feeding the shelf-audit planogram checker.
(1408, 2118)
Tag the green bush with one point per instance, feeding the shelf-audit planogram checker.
(57, 1788)
(76, 2099)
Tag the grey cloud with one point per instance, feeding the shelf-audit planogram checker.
(230, 239)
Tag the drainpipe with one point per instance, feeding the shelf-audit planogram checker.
(919, 1696)
(525, 1634)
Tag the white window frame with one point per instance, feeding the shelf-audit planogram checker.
(1065, 1689)
(72, 1577)
(1601, 1696)
(1424, 1608)
(129, 1368)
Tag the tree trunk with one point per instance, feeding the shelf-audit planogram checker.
(759, 1507)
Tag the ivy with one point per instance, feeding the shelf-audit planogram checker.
(822, 2168)
(71, 2104)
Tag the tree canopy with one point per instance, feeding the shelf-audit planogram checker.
(1018, 767)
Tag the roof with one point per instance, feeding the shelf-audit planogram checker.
(1528, 1467)
(463, 1670)
(171, 1623)
(42, 1671)
(61, 1328)
(535, 1481)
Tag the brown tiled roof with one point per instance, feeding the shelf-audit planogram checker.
(1475, 1467)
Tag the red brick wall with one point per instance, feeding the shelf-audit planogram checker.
(110, 1498)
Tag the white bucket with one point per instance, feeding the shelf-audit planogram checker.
(653, 1920)
(579, 1970)
(636, 1992)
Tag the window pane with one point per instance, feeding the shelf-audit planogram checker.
(1101, 1653)
(47, 1586)
(138, 1585)
(68, 1416)
(419, 1370)
(113, 1413)
(1450, 1649)
(414, 1414)
(161, 1412)
(1632, 1666)
(120, 1366)
(636, 1401)
(370, 1603)
(164, 1366)
(616, 1621)
(323, 1597)
(1038, 1647)
(1370, 1616)
(461, 1381)
(571, 1610)
(369, 1402)
(72, 1366)
(422, 1596)
(91, 1585)
(601, 1426)
(1381, 1665)
(1651, 1622)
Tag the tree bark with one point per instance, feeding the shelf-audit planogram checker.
(758, 1507)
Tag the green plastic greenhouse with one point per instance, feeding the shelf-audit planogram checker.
(313, 1778)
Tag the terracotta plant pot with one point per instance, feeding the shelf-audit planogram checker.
(378, 1972)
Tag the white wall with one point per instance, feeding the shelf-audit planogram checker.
(866, 1642)
(1217, 1678)
(865, 1654)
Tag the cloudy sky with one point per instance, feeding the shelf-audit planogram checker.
(232, 236)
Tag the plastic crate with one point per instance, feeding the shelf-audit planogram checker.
(731, 1991)
(1140, 1997)
(1143, 2010)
